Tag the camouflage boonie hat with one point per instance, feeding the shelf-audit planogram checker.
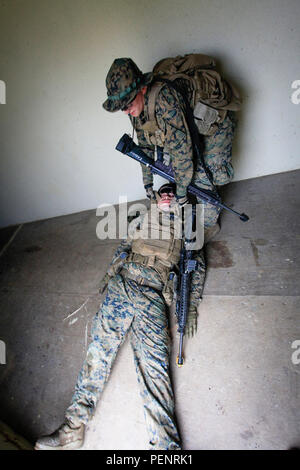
(124, 80)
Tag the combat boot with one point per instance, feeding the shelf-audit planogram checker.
(211, 232)
(64, 438)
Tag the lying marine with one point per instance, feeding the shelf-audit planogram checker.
(139, 292)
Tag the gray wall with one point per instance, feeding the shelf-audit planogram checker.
(57, 143)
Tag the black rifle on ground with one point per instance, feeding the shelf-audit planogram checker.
(127, 146)
(187, 265)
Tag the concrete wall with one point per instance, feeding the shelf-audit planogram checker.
(57, 143)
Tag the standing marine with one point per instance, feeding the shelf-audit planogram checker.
(158, 112)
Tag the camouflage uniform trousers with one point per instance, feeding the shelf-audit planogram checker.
(217, 148)
(139, 309)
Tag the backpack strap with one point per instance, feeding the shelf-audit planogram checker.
(159, 82)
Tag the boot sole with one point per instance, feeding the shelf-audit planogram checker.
(72, 446)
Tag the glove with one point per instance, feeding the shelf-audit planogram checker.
(191, 322)
(149, 192)
(103, 283)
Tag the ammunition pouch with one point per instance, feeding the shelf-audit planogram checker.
(151, 262)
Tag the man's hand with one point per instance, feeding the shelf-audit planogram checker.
(149, 192)
(191, 322)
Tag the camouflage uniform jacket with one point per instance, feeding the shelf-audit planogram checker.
(173, 135)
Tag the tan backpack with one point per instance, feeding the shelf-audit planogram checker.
(207, 95)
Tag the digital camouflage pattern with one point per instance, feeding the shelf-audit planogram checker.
(174, 136)
(143, 271)
(140, 310)
(217, 150)
(170, 131)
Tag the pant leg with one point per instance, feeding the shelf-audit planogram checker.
(150, 342)
(217, 150)
(109, 329)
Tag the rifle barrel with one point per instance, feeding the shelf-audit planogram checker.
(128, 147)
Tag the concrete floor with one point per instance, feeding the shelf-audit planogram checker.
(238, 389)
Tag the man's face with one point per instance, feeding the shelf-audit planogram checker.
(137, 105)
(166, 201)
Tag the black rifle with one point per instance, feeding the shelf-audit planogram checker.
(186, 266)
(127, 146)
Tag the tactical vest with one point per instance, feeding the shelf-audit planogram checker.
(210, 95)
(157, 241)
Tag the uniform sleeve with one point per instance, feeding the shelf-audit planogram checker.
(197, 281)
(149, 151)
(171, 120)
